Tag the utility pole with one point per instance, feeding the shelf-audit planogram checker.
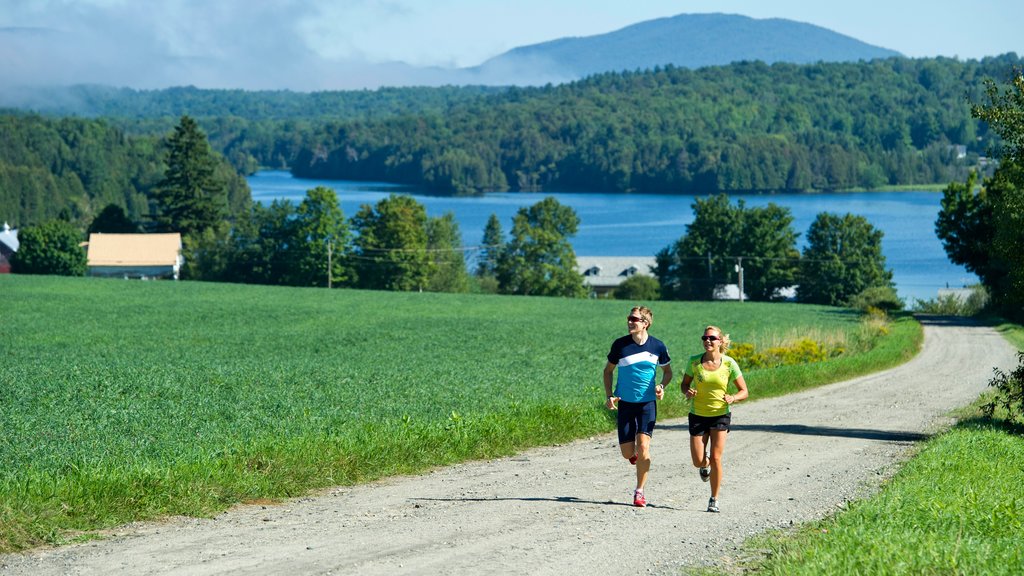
(739, 272)
(711, 281)
(330, 250)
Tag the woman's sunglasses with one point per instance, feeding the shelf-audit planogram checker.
(709, 338)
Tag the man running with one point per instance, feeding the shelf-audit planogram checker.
(637, 356)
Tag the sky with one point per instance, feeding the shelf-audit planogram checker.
(308, 45)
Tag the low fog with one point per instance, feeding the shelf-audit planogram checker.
(264, 45)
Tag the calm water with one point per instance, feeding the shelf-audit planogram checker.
(642, 224)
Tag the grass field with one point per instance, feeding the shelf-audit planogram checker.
(955, 508)
(122, 400)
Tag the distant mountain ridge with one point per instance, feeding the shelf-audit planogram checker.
(686, 40)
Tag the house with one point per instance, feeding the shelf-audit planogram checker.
(144, 256)
(602, 274)
(8, 246)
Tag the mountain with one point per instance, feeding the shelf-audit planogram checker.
(686, 40)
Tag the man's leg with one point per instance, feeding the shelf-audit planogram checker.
(643, 459)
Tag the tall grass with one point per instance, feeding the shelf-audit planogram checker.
(122, 401)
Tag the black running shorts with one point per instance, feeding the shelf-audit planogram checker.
(701, 425)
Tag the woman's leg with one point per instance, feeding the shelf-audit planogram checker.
(698, 449)
(717, 448)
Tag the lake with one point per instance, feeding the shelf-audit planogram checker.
(643, 224)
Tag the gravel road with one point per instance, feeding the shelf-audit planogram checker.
(567, 509)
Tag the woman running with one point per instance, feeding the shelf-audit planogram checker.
(706, 382)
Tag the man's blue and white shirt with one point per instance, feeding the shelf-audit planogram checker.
(637, 364)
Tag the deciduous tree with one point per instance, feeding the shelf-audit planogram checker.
(842, 258)
(539, 260)
(391, 246)
(321, 236)
(53, 247)
(719, 236)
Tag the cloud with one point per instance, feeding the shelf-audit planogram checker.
(249, 44)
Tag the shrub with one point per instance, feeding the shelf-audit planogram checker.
(951, 304)
(880, 297)
(803, 351)
(1009, 392)
(638, 288)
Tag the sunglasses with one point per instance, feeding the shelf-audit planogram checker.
(709, 338)
(634, 319)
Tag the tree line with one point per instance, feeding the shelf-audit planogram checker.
(394, 245)
(743, 127)
(75, 168)
(76, 171)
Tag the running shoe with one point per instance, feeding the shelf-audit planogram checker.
(638, 499)
(632, 459)
(712, 505)
(705, 474)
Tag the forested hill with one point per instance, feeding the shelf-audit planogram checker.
(131, 107)
(73, 168)
(687, 41)
(743, 127)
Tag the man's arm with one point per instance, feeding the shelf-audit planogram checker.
(609, 401)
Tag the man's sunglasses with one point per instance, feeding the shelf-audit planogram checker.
(634, 319)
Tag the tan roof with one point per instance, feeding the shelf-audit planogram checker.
(134, 249)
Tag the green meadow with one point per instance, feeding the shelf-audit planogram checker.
(955, 508)
(122, 401)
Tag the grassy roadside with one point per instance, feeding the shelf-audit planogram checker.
(956, 507)
(126, 401)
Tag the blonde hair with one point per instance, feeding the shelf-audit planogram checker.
(644, 313)
(722, 337)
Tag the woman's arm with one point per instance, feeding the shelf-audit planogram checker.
(685, 386)
(741, 392)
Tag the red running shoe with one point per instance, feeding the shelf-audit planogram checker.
(638, 499)
(632, 459)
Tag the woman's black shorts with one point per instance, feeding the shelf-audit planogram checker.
(701, 425)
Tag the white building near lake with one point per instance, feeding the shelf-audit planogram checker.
(602, 274)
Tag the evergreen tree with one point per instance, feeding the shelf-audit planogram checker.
(190, 196)
(113, 220)
(493, 243)
(444, 243)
